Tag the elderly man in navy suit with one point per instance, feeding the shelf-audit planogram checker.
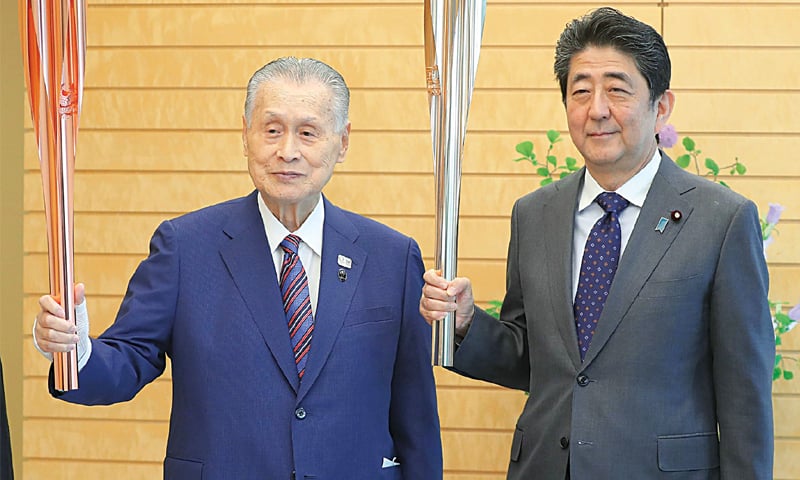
(297, 347)
(636, 309)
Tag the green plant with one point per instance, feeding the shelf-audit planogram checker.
(550, 168)
(553, 169)
(692, 156)
(782, 323)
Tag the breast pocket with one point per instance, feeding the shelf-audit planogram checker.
(673, 288)
(369, 316)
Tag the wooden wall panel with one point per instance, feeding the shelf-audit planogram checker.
(287, 24)
(120, 441)
(68, 469)
(728, 25)
(787, 462)
(748, 68)
(160, 135)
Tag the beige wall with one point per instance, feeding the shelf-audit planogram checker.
(160, 136)
(11, 140)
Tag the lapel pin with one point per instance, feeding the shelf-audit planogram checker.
(342, 274)
(676, 215)
(662, 224)
(343, 261)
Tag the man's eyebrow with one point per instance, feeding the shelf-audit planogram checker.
(617, 75)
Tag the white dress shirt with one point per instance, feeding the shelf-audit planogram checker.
(310, 251)
(589, 212)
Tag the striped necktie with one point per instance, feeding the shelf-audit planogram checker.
(296, 302)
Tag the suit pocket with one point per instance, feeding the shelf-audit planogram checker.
(694, 451)
(678, 287)
(516, 445)
(180, 469)
(368, 316)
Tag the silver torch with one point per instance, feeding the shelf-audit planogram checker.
(53, 37)
(453, 31)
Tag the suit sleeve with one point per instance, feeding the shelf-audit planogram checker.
(497, 351)
(132, 352)
(413, 415)
(743, 346)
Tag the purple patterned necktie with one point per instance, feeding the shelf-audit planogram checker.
(296, 302)
(600, 258)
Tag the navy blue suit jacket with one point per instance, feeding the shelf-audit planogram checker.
(207, 296)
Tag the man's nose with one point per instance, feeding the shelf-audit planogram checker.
(287, 148)
(598, 109)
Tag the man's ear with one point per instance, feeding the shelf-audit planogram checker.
(345, 143)
(664, 108)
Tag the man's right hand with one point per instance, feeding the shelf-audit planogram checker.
(440, 296)
(52, 332)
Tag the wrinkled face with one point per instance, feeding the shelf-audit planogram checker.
(291, 144)
(611, 120)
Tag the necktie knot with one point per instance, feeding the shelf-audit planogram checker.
(291, 243)
(612, 202)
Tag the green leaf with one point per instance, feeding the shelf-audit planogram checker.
(724, 184)
(778, 341)
(543, 171)
(688, 144)
(712, 165)
(740, 168)
(563, 174)
(684, 160)
(572, 164)
(494, 308)
(525, 148)
(788, 375)
(546, 181)
(551, 159)
(778, 358)
(776, 374)
(554, 136)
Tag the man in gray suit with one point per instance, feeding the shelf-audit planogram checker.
(667, 371)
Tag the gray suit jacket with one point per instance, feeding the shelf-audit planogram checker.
(677, 381)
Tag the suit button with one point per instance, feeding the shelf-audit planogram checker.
(300, 413)
(583, 380)
(564, 442)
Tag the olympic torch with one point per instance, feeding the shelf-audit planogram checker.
(453, 31)
(53, 37)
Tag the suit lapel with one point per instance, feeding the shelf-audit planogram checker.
(258, 284)
(335, 295)
(645, 249)
(561, 206)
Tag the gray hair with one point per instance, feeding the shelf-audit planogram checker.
(302, 70)
(607, 27)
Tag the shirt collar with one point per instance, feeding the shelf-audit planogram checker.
(310, 231)
(634, 190)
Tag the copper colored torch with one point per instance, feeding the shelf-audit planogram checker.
(53, 37)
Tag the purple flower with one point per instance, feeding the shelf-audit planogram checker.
(774, 213)
(794, 313)
(667, 136)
